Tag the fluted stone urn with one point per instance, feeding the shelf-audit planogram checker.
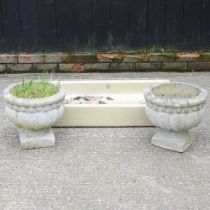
(175, 108)
(34, 117)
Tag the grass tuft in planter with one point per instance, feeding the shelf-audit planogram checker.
(31, 89)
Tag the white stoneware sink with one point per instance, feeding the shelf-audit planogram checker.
(105, 103)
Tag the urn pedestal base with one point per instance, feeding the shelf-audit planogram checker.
(177, 141)
(32, 139)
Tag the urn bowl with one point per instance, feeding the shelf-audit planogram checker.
(175, 107)
(34, 113)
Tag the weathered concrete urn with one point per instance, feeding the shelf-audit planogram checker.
(175, 108)
(34, 117)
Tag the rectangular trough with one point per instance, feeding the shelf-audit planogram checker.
(105, 103)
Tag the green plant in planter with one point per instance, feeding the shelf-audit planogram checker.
(35, 89)
(31, 89)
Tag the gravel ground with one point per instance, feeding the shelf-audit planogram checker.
(105, 168)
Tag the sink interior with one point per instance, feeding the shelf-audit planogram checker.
(106, 92)
(105, 99)
(93, 103)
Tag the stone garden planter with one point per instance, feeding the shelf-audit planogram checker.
(175, 108)
(34, 117)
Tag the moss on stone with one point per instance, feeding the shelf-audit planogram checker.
(66, 57)
(205, 56)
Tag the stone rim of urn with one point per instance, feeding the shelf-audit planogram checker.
(34, 117)
(175, 108)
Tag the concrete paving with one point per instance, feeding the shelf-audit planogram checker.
(105, 168)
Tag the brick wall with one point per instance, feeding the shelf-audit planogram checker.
(64, 62)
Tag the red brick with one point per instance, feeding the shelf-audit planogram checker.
(54, 58)
(148, 66)
(8, 58)
(188, 56)
(78, 67)
(123, 66)
(45, 67)
(199, 66)
(156, 57)
(97, 67)
(109, 57)
(135, 58)
(31, 58)
(2, 68)
(85, 67)
(80, 58)
(176, 66)
(19, 67)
